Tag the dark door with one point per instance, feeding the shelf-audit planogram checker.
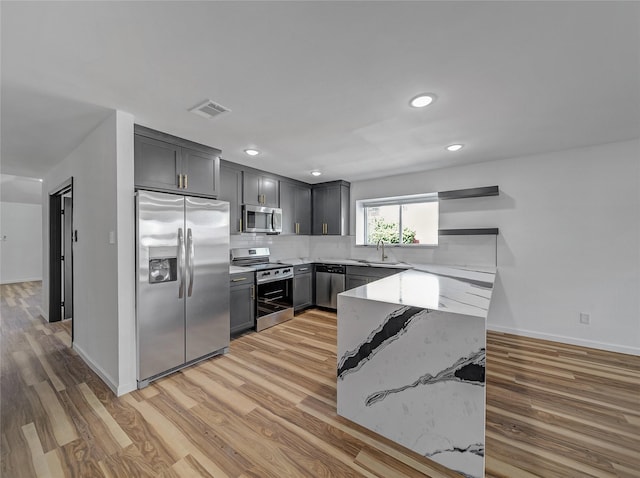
(157, 164)
(319, 209)
(231, 191)
(288, 206)
(199, 171)
(251, 189)
(242, 308)
(303, 209)
(67, 254)
(269, 191)
(332, 210)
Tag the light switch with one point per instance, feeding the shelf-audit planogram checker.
(112, 237)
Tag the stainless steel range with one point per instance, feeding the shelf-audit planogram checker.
(274, 286)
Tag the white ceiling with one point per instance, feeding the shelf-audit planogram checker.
(323, 85)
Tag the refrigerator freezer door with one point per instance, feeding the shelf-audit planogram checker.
(160, 311)
(207, 276)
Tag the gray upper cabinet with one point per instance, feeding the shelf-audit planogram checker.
(231, 191)
(201, 172)
(295, 202)
(331, 208)
(157, 164)
(167, 163)
(260, 189)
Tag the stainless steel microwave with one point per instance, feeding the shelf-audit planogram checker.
(261, 219)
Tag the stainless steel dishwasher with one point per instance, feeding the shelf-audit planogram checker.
(330, 281)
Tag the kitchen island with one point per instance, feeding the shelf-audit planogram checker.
(411, 361)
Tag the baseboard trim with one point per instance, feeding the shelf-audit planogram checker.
(567, 340)
(104, 376)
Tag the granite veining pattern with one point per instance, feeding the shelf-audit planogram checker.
(413, 373)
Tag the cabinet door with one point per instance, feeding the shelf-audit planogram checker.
(333, 218)
(302, 291)
(231, 191)
(201, 172)
(318, 201)
(355, 281)
(303, 209)
(288, 206)
(269, 190)
(251, 188)
(157, 164)
(242, 309)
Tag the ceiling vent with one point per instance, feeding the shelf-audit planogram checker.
(209, 109)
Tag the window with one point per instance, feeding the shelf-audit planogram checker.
(401, 220)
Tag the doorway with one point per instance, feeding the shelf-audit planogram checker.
(61, 236)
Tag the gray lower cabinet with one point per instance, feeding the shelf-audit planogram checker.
(302, 287)
(167, 163)
(243, 309)
(231, 191)
(295, 202)
(331, 208)
(362, 275)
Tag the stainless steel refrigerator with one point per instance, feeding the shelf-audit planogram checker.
(182, 295)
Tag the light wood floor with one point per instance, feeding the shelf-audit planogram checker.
(267, 409)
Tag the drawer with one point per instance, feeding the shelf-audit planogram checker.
(241, 278)
(302, 269)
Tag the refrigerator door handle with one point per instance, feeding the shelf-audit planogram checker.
(181, 254)
(190, 260)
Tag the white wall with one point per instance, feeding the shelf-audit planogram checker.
(104, 314)
(569, 239)
(20, 242)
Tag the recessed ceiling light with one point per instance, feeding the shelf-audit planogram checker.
(252, 152)
(422, 100)
(41, 180)
(316, 173)
(454, 147)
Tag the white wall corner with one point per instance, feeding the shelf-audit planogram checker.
(104, 376)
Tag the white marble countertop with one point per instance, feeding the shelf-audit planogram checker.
(446, 289)
(347, 262)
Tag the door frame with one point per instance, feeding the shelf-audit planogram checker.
(55, 250)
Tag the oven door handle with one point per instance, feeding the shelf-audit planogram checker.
(272, 292)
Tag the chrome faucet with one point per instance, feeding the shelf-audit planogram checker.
(380, 241)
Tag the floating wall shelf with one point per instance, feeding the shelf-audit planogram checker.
(469, 193)
(486, 231)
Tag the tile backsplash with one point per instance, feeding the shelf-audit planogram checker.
(281, 246)
(452, 250)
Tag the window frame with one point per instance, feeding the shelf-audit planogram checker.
(362, 232)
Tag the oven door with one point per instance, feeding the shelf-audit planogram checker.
(274, 297)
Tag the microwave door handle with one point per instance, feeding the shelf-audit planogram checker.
(190, 261)
(181, 253)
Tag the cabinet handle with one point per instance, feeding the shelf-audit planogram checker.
(179, 181)
(303, 269)
(239, 279)
(253, 292)
(186, 181)
(297, 228)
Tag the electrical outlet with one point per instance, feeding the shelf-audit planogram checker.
(584, 318)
